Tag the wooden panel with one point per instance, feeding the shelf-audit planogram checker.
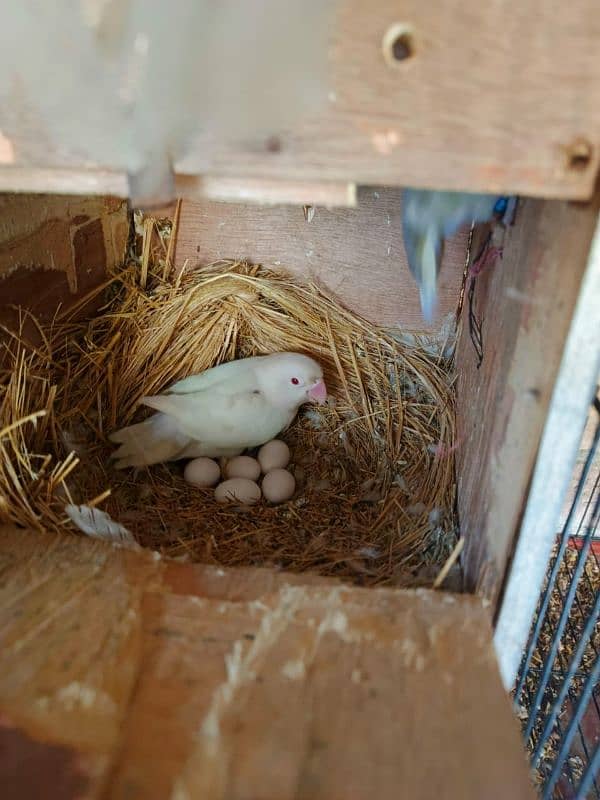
(357, 254)
(526, 302)
(131, 677)
(498, 97)
(54, 250)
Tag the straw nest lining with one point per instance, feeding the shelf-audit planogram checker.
(374, 468)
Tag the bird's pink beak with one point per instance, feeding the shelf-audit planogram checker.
(318, 393)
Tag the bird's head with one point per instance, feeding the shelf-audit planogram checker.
(290, 379)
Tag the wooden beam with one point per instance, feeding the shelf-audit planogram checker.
(274, 191)
(128, 676)
(49, 179)
(501, 97)
(490, 97)
(266, 192)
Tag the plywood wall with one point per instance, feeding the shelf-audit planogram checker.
(357, 254)
(54, 249)
(525, 303)
(127, 676)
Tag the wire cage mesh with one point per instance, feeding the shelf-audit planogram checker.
(557, 692)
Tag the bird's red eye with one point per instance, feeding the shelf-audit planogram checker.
(295, 381)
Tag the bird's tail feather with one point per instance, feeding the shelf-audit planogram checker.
(430, 267)
(155, 440)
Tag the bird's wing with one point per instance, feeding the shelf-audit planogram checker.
(228, 413)
(150, 442)
(233, 373)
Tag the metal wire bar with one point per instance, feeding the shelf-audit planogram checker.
(556, 565)
(589, 776)
(574, 633)
(541, 614)
(583, 743)
(572, 729)
(564, 616)
(558, 701)
(558, 682)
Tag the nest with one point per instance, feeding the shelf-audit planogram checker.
(374, 468)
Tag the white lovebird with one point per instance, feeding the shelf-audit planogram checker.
(222, 411)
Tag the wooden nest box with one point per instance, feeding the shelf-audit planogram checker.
(131, 673)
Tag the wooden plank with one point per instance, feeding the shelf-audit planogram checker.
(54, 250)
(268, 192)
(457, 114)
(38, 180)
(526, 302)
(140, 678)
(498, 97)
(46, 178)
(356, 254)
(69, 657)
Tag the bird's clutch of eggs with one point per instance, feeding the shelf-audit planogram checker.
(242, 473)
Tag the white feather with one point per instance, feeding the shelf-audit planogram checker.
(220, 412)
(100, 525)
(157, 439)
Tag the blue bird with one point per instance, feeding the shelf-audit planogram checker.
(430, 217)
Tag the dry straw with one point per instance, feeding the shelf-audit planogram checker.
(374, 469)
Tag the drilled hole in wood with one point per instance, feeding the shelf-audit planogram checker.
(273, 144)
(398, 45)
(579, 155)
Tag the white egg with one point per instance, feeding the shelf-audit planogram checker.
(278, 485)
(238, 490)
(242, 467)
(274, 455)
(202, 472)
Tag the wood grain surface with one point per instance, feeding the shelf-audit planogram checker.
(356, 254)
(55, 249)
(498, 97)
(126, 676)
(526, 302)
